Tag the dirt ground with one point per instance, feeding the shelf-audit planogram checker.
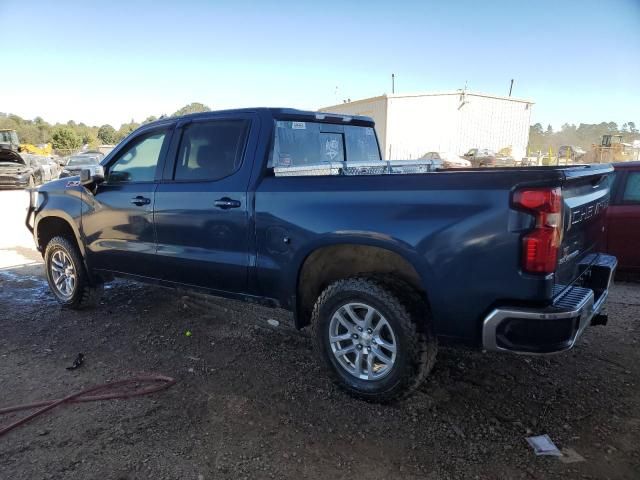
(250, 401)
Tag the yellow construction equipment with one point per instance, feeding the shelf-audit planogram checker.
(611, 149)
(46, 150)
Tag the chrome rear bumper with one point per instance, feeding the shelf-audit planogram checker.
(555, 328)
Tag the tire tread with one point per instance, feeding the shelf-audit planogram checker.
(410, 310)
(89, 293)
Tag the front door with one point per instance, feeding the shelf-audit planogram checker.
(118, 223)
(201, 208)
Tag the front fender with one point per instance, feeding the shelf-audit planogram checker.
(63, 203)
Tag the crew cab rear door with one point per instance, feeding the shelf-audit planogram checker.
(117, 223)
(201, 209)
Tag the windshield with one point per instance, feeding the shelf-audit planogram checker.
(82, 160)
(5, 137)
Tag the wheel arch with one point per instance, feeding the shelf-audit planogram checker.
(49, 226)
(329, 263)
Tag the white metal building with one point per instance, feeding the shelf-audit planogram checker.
(408, 126)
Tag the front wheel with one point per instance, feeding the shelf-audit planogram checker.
(67, 276)
(374, 337)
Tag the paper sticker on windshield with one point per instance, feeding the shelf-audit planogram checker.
(298, 125)
(331, 148)
(284, 160)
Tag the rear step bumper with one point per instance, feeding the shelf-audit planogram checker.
(554, 328)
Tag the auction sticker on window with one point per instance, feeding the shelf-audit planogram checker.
(298, 125)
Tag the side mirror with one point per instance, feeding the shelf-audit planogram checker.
(91, 176)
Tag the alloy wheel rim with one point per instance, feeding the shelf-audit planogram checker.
(63, 273)
(362, 341)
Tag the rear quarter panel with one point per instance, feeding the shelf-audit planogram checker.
(455, 229)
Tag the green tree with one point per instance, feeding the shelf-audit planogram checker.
(537, 129)
(107, 134)
(93, 142)
(193, 107)
(64, 138)
(29, 133)
(126, 129)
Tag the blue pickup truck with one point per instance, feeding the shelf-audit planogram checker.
(239, 204)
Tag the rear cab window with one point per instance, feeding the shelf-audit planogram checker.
(298, 144)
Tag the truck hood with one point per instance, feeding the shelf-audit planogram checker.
(9, 156)
(60, 184)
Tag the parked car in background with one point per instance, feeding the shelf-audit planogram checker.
(55, 167)
(623, 217)
(504, 160)
(93, 153)
(251, 204)
(570, 153)
(19, 170)
(50, 168)
(481, 157)
(76, 163)
(448, 159)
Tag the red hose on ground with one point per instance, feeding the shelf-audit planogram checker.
(162, 381)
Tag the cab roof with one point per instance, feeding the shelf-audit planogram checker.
(280, 113)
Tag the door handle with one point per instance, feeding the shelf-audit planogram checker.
(226, 203)
(140, 200)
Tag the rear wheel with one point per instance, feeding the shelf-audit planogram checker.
(67, 276)
(373, 336)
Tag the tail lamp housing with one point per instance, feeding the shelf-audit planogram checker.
(540, 246)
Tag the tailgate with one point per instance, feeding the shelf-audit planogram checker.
(585, 193)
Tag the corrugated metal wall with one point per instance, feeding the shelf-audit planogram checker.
(375, 108)
(420, 124)
(494, 123)
(408, 126)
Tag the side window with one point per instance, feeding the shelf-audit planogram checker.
(211, 150)
(138, 162)
(632, 188)
(362, 145)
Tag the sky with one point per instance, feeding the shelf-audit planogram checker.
(111, 62)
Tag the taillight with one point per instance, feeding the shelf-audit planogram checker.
(540, 246)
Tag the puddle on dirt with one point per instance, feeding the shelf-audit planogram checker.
(24, 289)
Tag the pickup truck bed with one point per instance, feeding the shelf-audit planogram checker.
(379, 265)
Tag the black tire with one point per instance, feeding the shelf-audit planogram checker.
(85, 292)
(406, 313)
